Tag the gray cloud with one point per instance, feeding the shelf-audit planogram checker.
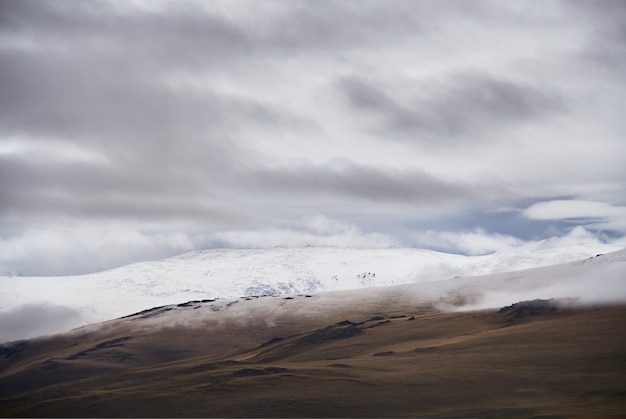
(95, 80)
(84, 189)
(70, 100)
(367, 183)
(183, 36)
(31, 320)
(342, 25)
(349, 26)
(201, 117)
(605, 43)
(465, 106)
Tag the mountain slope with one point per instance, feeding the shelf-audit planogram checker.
(225, 273)
(387, 351)
(534, 358)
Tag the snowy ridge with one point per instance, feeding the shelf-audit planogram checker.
(228, 273)
(598, 279)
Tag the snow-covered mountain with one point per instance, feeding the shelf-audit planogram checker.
(597, 279)
(38, 305)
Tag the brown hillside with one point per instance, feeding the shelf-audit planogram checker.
(529, 359)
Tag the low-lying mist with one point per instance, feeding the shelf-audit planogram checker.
(600, 279)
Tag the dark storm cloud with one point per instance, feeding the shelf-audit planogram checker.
(463, 106)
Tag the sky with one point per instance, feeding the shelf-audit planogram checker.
(135, 130)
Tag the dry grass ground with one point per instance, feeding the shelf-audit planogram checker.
(356, 360)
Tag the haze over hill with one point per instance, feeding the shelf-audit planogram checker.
(32, 306)
(419, 349)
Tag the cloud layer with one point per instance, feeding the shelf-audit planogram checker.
(153, 120)
(33, 320)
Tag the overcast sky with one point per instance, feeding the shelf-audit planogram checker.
(135, 130)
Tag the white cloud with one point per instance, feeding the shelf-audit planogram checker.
(601, 285)
(474, 242)
(50, 149)
(318, 230)
(563, 209)
(84, 248)
(600, 215)
(321, 224)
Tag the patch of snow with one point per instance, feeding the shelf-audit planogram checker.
(229, 273)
